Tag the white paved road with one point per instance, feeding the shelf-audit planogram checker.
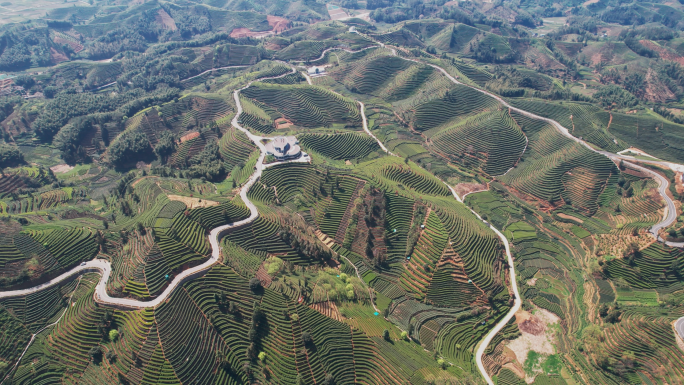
(334, 49)
(669, 217)
(104, 267)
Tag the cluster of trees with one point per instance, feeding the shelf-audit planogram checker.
(130, 147)
(468, 14)
(624, 15)
(615, 95)
(254, 334)
(415, 230)
(665, 113)
(303, 245)
(190, 21)
(69, 104)
(143, 30)
(69, 138)
(375, 4)
(208, 163)
(593, 339)
(625, 188)
(525, 19)
(486, 54)
(22, 46)
(10, 156)
(672, 75)
(634, 44)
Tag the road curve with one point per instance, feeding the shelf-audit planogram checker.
(517, 301)
(365, 128)
(679, 327)
(334, 49)
(104, 267)
(669, 217)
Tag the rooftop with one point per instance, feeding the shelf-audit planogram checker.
(284, 147)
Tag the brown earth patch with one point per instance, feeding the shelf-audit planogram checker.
(532, 325)
(676, 111)
(73, 214)
(189, 136)
(61, 168)
(570, 217)
(328, 309)
(279, 24)
(192, 203)
(282, 123)
(272, 46)
(9, 229)
(656, 90)
(662, 51)
(466, 188)
(165, 20)
(75, 46)
(56, 56)
(534, 201)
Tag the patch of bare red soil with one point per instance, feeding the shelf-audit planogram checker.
(663, 52)
(74, 46)
(278, 25)
(532, 325)
(466, 188)
(282, 123)
(167, 22)
(56, 56)
(189, 136)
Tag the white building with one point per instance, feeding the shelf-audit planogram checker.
(284, 148)
(316, 71)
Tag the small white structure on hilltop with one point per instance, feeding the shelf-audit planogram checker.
(316, 71)
(284, 148)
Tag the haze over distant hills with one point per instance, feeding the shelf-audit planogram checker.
(381, 192)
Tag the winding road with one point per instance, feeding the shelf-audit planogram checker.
(669, 216)
(104, 267)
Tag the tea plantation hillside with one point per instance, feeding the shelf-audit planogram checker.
(466, 192)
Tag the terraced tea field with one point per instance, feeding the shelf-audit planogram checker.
(431, 232)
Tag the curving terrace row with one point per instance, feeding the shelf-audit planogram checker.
(669, 217)
(104, 267)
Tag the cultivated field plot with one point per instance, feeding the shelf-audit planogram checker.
(387, 253)
(16, 11)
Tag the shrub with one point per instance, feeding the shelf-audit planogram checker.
(613, 94)
(328, 380)
(95, 353)
(306, 338)
(111, 356)
(404, 336)
(262, 356)
(254, 284)
(130, 147)
(10, 156)
(113, 335)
